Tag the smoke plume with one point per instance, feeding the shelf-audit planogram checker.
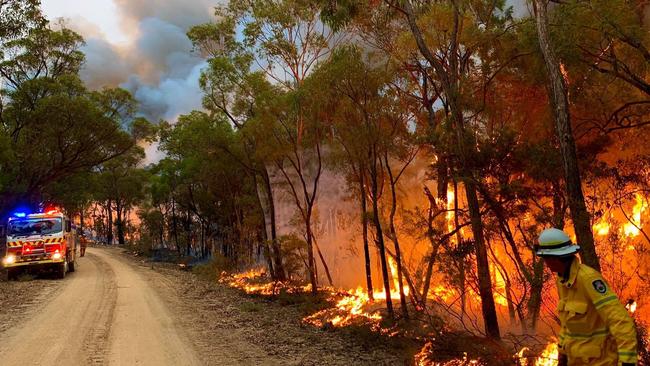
(157, 65)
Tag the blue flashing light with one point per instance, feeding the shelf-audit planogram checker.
(20, 214)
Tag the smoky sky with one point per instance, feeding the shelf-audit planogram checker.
(158, 65)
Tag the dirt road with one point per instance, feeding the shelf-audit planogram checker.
(104, 313)
(117, 309)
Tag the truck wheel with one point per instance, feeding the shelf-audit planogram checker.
(11, 274)
(61, 270)
(71, 267)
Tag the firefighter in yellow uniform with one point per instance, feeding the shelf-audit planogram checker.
(596, 329)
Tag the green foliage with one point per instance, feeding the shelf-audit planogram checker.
(54, 128)
(200, 183)
(18, 17)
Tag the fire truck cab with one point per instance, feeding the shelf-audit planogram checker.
(40, 240)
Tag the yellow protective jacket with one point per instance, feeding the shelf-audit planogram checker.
(596, 329)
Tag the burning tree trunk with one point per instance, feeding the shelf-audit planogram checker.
(364, 228)
(433, 212)
(393, 232)
(560, 107)
(449, 76)
(374, 178)
(276, 252)
(323, 262)
(537, 283)
(461, 264)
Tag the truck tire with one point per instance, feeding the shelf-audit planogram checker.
(71, 267)
(61, 269)
(11, 274)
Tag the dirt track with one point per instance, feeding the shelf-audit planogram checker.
(104, 313)
(116, 310)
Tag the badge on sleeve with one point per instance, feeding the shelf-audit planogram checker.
(599, 286)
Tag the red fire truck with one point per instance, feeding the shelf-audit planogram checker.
(40, 240)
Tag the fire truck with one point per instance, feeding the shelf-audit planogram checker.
(40, 240)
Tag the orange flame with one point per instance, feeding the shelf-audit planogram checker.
(256, 282)
(631, 306)
(601, 228)
(422, 358)
(549, 356)
(350, 308)
(631, 229)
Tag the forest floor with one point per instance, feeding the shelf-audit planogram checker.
(117, 309)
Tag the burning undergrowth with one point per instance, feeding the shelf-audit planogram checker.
(344, 308)
(354, 311)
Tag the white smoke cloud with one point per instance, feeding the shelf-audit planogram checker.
(157, 65)
(171, 97)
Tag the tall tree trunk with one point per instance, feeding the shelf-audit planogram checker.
(175, 227)
(109, 223)
(311, 265)
(482, 265)
(560, 106)
(450, 78)
(187, 225)
(461, 265)
(537, 285)
(364, 226)
(434, 210)
(379, 233)
(119, 223)
(393, 236)
(323, 262)
(268, 253)
(280, 273)
(81, 219)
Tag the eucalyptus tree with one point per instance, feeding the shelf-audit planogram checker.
(17, 17)
(205, 183)
(255, 43)
(455, 41)
(54, 127)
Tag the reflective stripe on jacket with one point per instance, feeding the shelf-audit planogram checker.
(595, 327)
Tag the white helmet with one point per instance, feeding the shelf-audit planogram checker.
(555, 243)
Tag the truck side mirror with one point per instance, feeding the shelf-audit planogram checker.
(68, 226)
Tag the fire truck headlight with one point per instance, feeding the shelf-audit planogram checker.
(56, 256)
(9, 259)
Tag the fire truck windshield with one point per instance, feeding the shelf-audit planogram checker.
(29, 227)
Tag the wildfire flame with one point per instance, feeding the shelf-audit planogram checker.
(349, 309)
(256, 282)
(355, 306)
(565, 73)
(549, 356)
(601, 228)
(422, 358)
(631, 306)
(631, 229)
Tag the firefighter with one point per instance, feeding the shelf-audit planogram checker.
(596, 329)
(83, 243)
